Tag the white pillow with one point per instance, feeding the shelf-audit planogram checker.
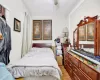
(36, 49)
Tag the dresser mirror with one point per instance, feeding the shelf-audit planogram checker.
(86, 36)
(75, 39)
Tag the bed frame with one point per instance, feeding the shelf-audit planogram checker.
(48, 45)
(40, 45)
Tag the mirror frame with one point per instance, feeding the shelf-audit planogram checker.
(86, 21)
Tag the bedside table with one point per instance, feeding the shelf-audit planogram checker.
(20, 79)
(59, 60)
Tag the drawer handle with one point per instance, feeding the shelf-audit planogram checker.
(75, 70)
(70, 64)
(75, 78)
(87, 71)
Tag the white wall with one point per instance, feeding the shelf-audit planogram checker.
(84, 8)
(58, 23)
(16, 10)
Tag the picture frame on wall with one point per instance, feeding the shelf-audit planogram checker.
(17, 25)
(82, 33)
(37, 29)
(90, 31)
(47, 29)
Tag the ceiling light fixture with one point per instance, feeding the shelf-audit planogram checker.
(56, 2)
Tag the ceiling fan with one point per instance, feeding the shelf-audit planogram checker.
(56, 2)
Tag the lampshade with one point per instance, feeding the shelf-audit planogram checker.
(62, 35)
(65, 30)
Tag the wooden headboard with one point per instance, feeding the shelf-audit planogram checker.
(47, 45)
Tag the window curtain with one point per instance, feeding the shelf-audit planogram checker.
(27, 35)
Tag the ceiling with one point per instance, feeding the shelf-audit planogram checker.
(47, 7)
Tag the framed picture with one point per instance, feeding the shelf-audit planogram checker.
(17, 25)
(47, 29)
(82, 33)
(90, 31)
(37, 29)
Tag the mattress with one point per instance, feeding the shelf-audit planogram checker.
(38, 62)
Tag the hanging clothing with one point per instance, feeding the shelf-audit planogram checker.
(5, 43)
(2, 41)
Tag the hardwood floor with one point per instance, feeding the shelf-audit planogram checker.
(65, 75)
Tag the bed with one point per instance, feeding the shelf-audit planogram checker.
(38, 64)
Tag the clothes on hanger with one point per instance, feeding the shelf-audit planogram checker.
(4, 20)
(1, 37)
(5, 42)
(3, 16)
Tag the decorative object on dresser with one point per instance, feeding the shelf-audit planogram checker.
(65, 35)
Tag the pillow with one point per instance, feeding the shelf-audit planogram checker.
(36, 49)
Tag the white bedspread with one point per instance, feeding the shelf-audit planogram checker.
(36, 63)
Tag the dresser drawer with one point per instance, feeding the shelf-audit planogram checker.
(79, 74)
(70, 64)
(75, 77)
(74, 60)
(75, 70)
(90, 72)
(83, 76)
(69, 70)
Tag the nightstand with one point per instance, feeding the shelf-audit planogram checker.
(59, 60)
(20, 79)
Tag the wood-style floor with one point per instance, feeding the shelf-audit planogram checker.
(65, 75)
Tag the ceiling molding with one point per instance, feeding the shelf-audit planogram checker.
(26, 7)
(77, 6)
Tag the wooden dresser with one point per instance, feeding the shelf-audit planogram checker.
(79, 70)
